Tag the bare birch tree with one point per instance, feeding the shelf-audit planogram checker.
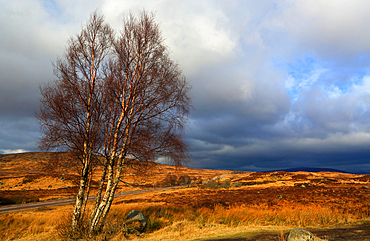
(120, 97)
(71, 110)
(146, 99)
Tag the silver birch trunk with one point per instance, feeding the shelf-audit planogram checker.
(95, 219)
(80, 199)
(101, 214)
(100, 205)
(76, 218)
(86, 196)
(98, 195)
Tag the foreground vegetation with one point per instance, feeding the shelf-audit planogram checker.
(169, 222)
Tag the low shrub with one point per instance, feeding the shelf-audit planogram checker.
(237, 184)
(225, 184)
(216, 184)
(170, 180)
(184, 180)
(6, 201)
(17, 200)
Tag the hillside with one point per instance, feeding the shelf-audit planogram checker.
(44, 175)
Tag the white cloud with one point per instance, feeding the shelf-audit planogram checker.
(197, 32)
(8, 151)
(330, 29)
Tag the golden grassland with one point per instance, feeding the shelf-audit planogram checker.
(237, 203)
(168, 222)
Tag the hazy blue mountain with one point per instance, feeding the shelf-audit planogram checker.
(317, 169)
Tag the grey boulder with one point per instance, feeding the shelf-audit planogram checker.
(300, 234)
(136, 222)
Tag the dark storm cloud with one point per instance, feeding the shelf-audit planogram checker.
(18, 134)
(30, 40)
(344, 152)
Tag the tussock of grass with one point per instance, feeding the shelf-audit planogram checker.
(31, 225)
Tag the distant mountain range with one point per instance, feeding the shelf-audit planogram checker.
(316, 169)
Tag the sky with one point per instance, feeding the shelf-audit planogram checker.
(275, 84)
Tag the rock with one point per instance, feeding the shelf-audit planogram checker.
(366, 187)
(62, 178)
(133, 226)
(303, 185)
(136, 222)
(26, 180)
(299, 234)
(49, 186)
(1, 183)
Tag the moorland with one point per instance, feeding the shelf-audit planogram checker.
(234, 206)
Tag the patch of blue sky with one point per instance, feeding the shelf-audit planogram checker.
(303, 73)
(309, 71)
(343, 81)
(355, 79)
(54, 10)
(362, 61)
(334, 86)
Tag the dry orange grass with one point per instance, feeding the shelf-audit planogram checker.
(172, 223)
(167, 222)
(37, 224)
(282, 214)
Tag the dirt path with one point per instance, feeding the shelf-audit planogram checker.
(359, 232)
(26, 206)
